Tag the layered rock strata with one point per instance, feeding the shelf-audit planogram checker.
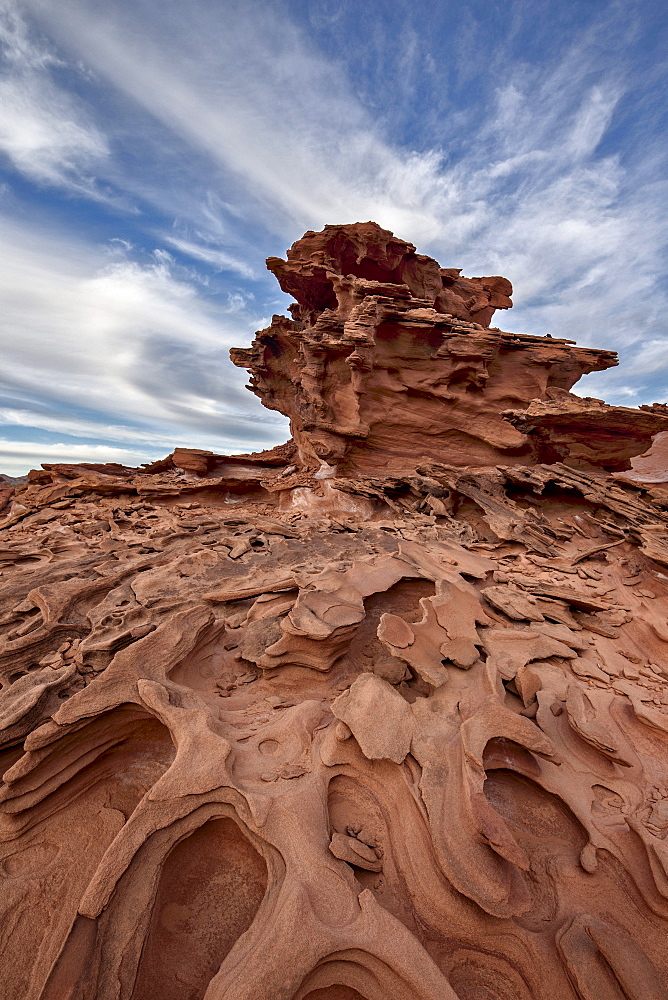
(382, 712)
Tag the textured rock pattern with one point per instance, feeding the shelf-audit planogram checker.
(272, 733)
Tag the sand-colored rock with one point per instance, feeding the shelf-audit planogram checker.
(382, 712)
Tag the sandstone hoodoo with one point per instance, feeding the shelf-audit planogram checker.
(381, 712)
(389, 360)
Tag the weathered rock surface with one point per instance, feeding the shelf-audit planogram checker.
(382, 712)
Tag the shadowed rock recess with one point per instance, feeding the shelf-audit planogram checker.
(379, 713)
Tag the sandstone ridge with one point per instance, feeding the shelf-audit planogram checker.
(380, 712)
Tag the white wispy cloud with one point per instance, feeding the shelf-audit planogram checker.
(251, 94)
(44, 130)
(46, 418)
(219, 260)
(529, 193)
(16, 457)
(131, 346)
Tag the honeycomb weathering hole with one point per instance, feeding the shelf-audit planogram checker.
(97, 776)
(209, 891)
(532, 813)
(334, 993)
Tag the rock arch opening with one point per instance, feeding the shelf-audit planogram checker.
(209, 891)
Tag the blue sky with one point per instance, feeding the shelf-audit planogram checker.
(152, 154)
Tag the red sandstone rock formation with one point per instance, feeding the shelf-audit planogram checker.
(388, 361)
(382, 712)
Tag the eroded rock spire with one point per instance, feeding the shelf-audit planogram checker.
(389, 360)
